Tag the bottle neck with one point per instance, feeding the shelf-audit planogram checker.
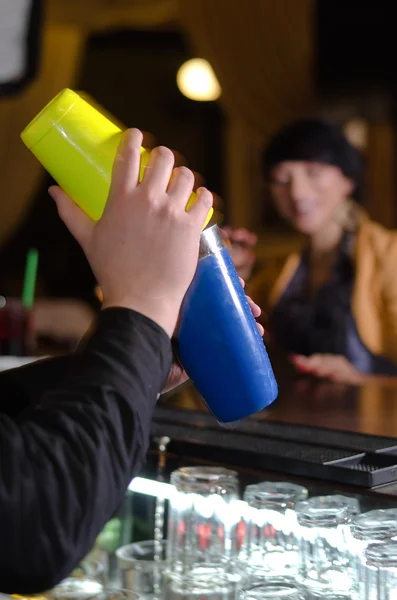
(211, 241)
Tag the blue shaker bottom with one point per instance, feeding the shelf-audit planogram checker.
(219, 343)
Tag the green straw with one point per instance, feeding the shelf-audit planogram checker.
(29, 284)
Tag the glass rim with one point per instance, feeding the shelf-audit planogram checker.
(325, 513)
(108, 592)
(283, 589)
(89, 562)
(379, 521)
(123, 556)
(203, 474)
(382, 555)
(270, 492)
(13, 302)
(70, 583)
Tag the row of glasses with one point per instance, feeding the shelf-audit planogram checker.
(349, 555)
(321, 547)
(278, 543)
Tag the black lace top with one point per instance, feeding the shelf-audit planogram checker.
(324, 323)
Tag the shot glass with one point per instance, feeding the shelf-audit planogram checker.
(141, 570)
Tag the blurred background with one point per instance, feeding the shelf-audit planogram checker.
(262, 63)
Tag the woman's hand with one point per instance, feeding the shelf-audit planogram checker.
(333, 367)
(177, 376)
(241, 247)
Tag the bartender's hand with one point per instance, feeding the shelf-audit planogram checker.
(241, 246)
(328, 366)
(178, 375)
(144, 249)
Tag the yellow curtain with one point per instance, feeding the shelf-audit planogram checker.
(261, 51)
(136, 14)
(381, 186)
(20, 173)
(262, 54)
(66, 28)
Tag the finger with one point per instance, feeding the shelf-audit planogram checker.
(175, 378)
(242, 282)
(245, 237)
(261, 329)
(241, 256)
(323, 371)
(301, 368)
(180, 187)
(253, 238)
(298, 359)
(300, 363)
(227, 230)
(200, 209)
(255, 309)
(239, 234)
(125, 173)
(321, 365)
(79, 224)
(159, 169)
(318, 361)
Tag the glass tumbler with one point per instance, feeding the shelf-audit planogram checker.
(88, 581)
(373, 527)
(378, 571)
(16, 328)
(272, 542)
(273, 590)
(325, 558)
(139, 571)
(202, 528)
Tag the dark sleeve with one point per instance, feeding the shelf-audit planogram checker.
(24, 387)
(66, 463)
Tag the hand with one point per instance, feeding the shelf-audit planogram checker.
(328, 366)
(144, 249)
(242, 243)
(177, 376)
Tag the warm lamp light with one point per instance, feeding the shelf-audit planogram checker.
(196, 80)
(356, 132)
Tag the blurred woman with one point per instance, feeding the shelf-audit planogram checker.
(333, 307)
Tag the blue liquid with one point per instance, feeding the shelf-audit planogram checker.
(219, 343)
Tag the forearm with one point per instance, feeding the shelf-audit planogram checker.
(71, 457)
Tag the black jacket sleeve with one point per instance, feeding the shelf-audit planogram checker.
(25, 386)
(66, 462)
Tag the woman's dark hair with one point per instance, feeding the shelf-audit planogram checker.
(315, 140)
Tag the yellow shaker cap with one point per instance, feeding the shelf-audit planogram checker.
(48, 117)
(53, 114)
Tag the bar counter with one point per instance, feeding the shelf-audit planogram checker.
(316, 431)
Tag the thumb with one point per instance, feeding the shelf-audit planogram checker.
(79, 224)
